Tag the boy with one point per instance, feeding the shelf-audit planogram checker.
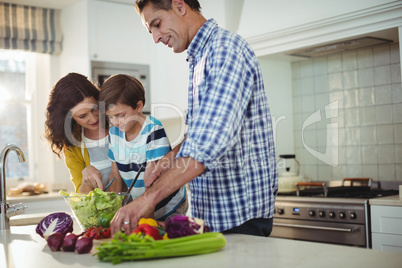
(135, 140)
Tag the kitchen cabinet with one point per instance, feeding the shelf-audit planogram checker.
(116, 33)
(102, 31)
(386, 228)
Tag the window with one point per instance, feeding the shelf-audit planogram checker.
(15, 110)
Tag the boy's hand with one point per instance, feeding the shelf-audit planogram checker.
(152, 172)
(92, 177)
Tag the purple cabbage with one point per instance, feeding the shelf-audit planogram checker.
(58, 222)
(179, 226)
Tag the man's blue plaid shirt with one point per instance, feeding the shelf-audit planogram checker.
(229, 131)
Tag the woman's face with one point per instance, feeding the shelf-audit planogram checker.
(86, 113)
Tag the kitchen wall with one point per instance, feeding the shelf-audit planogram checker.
(358, 95)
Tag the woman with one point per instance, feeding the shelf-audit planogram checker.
(73, 127)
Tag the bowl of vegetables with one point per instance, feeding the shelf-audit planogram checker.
(96, 208)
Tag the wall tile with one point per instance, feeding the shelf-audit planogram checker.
(369, 154)
(335, 81)
(352, 117)
(394, 53)
(398, 172)
(353, 155)
(352, 136)
(307, 86)
(398, 133)
(398, 153)
(349, 60)
(366, 83)
(386, 154)
(308, 104)
(350, 80)
(320, 66)
(383, 94)
(366, 77)
(396, 73)
(370, 171)
(381, 55)
(368, 135)
(385, 134)
(351, 98)
(306, 68)
(384, 114)
(334, 63)
(368, 116)
(364, 58)
(382, 75)
(396, 93)
(353, 171)
(366, 96)
(321, 84)
(386, 172)
(397, 112)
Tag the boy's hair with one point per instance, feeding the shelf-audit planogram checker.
(165, 4)
(121, 88)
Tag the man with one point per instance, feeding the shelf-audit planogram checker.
(228, 154)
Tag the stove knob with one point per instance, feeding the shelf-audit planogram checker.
(353, 215)
(332, 214)
(342, 215)
(311, 213)
(280, 211)
(321, 213)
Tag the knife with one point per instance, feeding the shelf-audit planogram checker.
(124, 202)
(109, 183)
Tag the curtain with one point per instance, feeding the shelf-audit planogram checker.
(30, 28)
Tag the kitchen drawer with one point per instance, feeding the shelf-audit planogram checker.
(386, 219)
(387, 242)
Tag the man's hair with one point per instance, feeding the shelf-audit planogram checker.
(121, 88)
(165, 4)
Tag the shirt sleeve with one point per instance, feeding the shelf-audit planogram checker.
(223, 98)
(75, 165)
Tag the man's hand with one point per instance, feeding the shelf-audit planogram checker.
(127, 217)
(92, 178)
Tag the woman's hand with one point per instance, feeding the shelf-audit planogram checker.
(127, 217)
(92, 178)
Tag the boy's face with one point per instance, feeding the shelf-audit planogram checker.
(167, 27)
(124, 117)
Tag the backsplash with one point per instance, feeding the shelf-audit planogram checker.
(348, 115)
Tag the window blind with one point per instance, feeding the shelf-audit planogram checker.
(30, 28)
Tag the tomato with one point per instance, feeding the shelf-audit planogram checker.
(106, 233)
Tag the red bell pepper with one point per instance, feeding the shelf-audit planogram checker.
(146, 229)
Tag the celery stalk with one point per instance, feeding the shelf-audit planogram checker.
(117, 251)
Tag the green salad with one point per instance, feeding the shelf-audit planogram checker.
(87, 208)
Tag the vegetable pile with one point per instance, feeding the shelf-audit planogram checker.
(57, 229)
(183, 236)
(91, 207)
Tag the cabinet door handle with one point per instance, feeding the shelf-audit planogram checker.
(349, 230)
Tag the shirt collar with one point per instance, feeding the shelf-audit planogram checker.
(201, 38)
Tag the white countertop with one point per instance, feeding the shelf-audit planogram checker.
(23, 248)
(392, 200)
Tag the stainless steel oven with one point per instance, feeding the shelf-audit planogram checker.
(334, 214)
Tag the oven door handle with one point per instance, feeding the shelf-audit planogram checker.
(349, 230)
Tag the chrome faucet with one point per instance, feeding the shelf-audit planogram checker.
(6, 210)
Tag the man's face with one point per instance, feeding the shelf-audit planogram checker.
(166, 27)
